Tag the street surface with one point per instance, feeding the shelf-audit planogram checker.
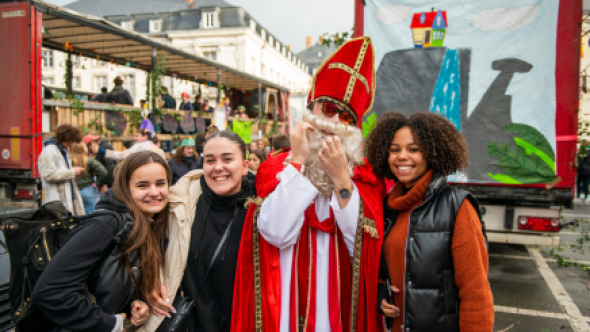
(532, 292)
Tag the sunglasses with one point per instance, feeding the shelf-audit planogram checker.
(330, 109)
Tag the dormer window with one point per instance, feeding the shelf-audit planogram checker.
(263, 34)
(156, 25)
(128, 25)
(210, 20)
(270, 40)
(252, 25)
(278, 46)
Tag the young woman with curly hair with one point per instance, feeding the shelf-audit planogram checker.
(434, 250)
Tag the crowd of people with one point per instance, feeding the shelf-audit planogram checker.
(295, 233)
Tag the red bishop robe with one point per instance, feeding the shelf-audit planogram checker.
(257, 292)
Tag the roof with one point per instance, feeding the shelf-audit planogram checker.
(93, 36)
(427, 20)
(130, 7)
(310, 56)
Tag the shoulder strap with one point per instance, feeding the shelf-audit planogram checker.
(122, 219)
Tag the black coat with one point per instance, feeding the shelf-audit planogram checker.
(119, 95)
(185, 107)
(213, 303)
(180, 169)
(109, 164)
(81, 261)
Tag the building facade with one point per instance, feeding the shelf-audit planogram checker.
(213, 29)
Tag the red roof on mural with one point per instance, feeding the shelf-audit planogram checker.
(428, 22)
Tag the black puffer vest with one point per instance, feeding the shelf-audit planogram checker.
(431, 295)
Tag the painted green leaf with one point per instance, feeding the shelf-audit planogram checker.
(502, 178)
(529, 148)
(369, 124)
(519, 165)
(532, 136)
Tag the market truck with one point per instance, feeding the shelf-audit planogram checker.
(505, 73)
(21, 112)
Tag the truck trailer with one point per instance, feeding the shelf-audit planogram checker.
(506, 74)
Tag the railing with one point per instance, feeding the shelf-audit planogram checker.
(117, 123)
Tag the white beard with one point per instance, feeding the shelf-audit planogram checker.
(351, 141)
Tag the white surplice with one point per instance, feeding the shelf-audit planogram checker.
(280, 221)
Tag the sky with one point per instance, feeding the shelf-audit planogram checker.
(292, 21)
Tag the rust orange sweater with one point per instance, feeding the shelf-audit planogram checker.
(470, 257)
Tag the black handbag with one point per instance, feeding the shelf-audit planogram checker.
(184, 305)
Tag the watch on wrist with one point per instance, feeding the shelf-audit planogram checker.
(344, 193)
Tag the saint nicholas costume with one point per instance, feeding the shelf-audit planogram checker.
(305, 264)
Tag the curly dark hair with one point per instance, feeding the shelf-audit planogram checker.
(68, 133)
(441, 144)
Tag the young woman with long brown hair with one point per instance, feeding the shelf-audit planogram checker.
(79, 154)
(118, 265)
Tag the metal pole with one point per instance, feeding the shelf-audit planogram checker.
(69, 75)
(154, 92)
(259, 110)
(218, 85)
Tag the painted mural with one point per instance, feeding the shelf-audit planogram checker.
(487, 66)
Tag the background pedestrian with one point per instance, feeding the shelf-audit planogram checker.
(186, 105)
(92, 169)
(119, 95)
(57, 172)
(256, 157)
(185, 160)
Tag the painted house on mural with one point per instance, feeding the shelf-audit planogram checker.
(429, 29)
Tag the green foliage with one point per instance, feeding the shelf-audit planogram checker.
(532, 160)
(338, 38)
(369, 125)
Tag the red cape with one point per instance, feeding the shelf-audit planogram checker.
(257, 290)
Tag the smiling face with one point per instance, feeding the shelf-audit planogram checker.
(254, 162)
(405, 158)
(188, 151)
(149, 188)
(224, 166)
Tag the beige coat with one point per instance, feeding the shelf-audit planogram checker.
(58, 180)
(183, 203)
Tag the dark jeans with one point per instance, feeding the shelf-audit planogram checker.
(583, 182)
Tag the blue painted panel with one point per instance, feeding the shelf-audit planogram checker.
(446, 97)
(439, 22)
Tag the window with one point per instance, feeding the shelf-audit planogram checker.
(263, 34)
(439, 20)
(270, 40)
(320, 54)
(253, 66)
(209, 20)
(262, 70)
(210, 55)
(252, 25)
(48, 59)
(100, 82)
(98, 63)
(278, 46)
(271, 76)
(47, 80)
(128, 25)
(156, 25)
(195, 89)
(129, 84)
(76, 61)
(76, 84)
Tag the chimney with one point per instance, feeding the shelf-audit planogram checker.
(308, 42)
(321, 40)
(289, 47)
